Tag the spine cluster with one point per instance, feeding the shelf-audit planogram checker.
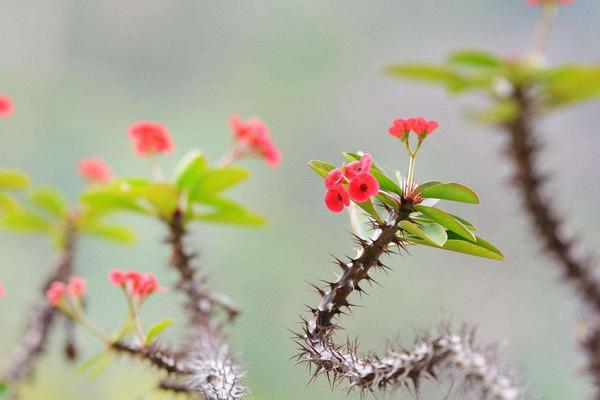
(578, 267)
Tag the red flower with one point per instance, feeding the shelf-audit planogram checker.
(76, 287)
(7, 107)
(94, 169)
(255, 138)
(116, 277)
(1, 290)
(362, 187)
(334, 178)
(150, 138)
(540, 2)
(56, 293)
(337, 198)
(400, 128)
(137, 284)
(356, 168)
(423, 127)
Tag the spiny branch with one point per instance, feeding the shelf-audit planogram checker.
(448, 353)
(162, 359)
(213, 369)
(40, 317)
(578, 267)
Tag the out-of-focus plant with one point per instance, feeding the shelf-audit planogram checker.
(204, 366)
(401, 213)
(523, 90)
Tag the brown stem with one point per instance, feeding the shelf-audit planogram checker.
(40, 317)
(577, 266)
(162, 359)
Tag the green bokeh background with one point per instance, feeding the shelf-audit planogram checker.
(81, 71)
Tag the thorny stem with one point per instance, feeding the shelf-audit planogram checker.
(578, 267)
(41, 316)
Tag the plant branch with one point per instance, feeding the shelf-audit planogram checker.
(40, 317)
(577, 266)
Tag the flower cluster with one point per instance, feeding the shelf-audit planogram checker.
(356, 177)
(401, 128)
(254, 137)
(7, 107)
(136, 284)
(58, 291)
(94, 169)
(150, 138)
(541, 2)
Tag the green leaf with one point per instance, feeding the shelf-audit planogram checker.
(503, 111)
(570, 84)
(3, 388)
(13, 179)
(370, 209)
(115, 233)
(27, 221)
(225, 211)
(114, 198)
(163, 197)
(385, 183)
(434, 234)
(475, 59)
(216, 181)
(50, 200)
(321, 167)
(430, 73)
(424, 186)
(96, 364)
(422, 219)
(8, 203)
(447, 220)
(190, 169)
(157, 329)
(450, 191)
(480, 248)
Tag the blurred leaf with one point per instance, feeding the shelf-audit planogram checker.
(450, 191)
(571, 84)
(475, 59)
(480, 248)
(225, 211)
(446, 220)
(50, 200)
(97, 364)
(163, 196)
(385, 183)
(13, 179)
(434, 234)
(321, 167)
(3, 389)
(8, 203)
(115, 233)
(115, 197)
(27, 221)
(157, 329)
(503, 111)
(430, 73)
(217, 180)
(190, 169)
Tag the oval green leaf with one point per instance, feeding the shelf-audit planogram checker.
(450, 191)
(157, 329)
(447, 220)
(434, 234)
(190, 169)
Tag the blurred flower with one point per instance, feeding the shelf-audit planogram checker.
(423, 127)
(139, 285)
(94, 169)
(401, 128)
(76, 287)
(7, 106)
(337, 198)
(116, 277)
(255, 138)
(56, 293)
(1, 290)
(150, 138)
(362, 187)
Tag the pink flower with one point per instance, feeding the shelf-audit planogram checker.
(356, 168)
(254, 137)
(94, 169)
(56, 293)
(423, 127)
(116, 277)
(400, 128)
(337, 198)
(540, 2)
(1, 290)
(76, 287)
(7, 107)
(362, 187)
(334, 178)
(137, 284)
(150, 138)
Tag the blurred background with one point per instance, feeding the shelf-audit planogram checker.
(81, 71)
